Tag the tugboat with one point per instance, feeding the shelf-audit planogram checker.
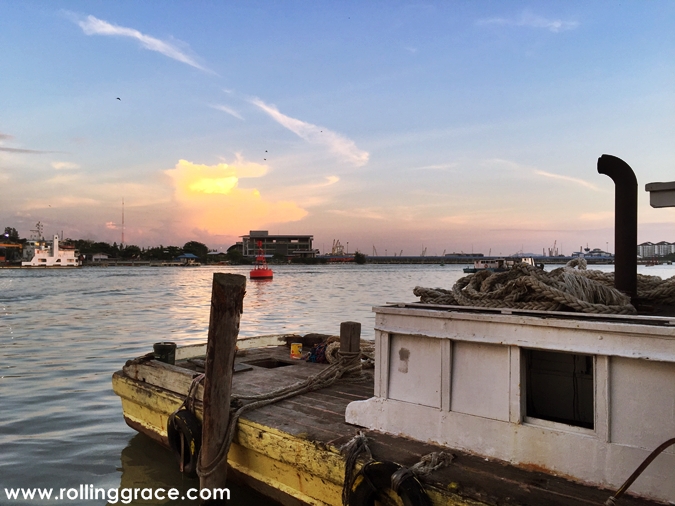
(261, 270)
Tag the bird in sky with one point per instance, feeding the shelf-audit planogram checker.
(118, 98)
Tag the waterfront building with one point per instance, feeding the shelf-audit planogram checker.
(298, 246)
(650, 249)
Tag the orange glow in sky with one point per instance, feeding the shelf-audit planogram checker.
(208, 198)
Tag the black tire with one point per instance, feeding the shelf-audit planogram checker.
(376, 476)
(184, 424)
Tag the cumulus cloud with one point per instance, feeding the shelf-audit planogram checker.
(211, 200)
(574, 180)
(95, 26)
(530, 20)
(336, 143)
(228, 110)
(65, 165)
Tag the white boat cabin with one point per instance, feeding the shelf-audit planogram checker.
(43, 253)
(580, 396)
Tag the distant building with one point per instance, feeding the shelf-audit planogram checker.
(592, 253)
(284, 245)
(661, 249)
(98, 257)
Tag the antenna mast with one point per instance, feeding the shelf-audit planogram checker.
(122, 223)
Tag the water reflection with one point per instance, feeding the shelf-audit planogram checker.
(148, 465)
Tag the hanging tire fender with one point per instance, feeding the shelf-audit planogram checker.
(183, 424)
(376, 476)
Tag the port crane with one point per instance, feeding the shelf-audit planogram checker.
(337, 249)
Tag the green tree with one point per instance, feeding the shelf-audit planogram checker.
(359, 258)
(197, 249)
(130, 251)
(11, 234)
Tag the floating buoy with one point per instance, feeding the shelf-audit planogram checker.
(260, 270)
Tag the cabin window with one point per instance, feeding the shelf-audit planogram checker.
(559, 387)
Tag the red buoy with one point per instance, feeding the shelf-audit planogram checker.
(260, 269)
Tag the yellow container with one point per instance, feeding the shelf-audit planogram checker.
(296, 351)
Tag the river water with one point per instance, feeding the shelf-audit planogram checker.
(64, 332)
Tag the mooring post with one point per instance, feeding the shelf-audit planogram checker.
(227, 299)
(350, 337)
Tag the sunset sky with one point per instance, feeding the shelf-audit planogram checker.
(456, 126)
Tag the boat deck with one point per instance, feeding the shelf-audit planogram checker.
(319, 417)
(289, 450)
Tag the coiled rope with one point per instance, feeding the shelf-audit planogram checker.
(569, 288)
(359, 444)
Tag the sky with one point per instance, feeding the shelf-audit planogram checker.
(389, 126)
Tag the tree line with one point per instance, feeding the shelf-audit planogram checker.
(88, 248)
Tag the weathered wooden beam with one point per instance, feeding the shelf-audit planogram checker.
(227, 300)
(350, 337)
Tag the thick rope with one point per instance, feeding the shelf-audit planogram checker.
(528, 287)
(349, 363)
(427, 465)
(359, 444)
(189, 401)
(355, 447)
(563, 289)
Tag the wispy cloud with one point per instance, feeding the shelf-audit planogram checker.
(361, 213)
(336, 143)
(5, 136)
(531, 20)
(27, 151)
(438, 166)
(65, 165)
(95, 26)
(575, 180)
(226, 109)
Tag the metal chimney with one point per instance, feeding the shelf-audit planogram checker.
(625, 222)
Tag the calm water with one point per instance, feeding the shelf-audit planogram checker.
(63, 334)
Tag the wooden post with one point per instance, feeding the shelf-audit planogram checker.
(350, 337)
(227, 300)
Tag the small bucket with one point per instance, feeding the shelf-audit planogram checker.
(296, 351)
(165, 352)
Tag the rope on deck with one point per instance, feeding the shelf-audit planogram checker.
(359, 444)
(347, 367)
(563, 289)
(355, 447)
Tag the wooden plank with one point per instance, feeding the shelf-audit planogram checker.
(169, 377)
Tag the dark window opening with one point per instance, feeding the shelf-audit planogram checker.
(559, 387)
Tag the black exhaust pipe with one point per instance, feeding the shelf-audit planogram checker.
(625, 222)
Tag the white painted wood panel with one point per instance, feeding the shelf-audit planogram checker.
(415, 370)
(480, 380)
(642, 407)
